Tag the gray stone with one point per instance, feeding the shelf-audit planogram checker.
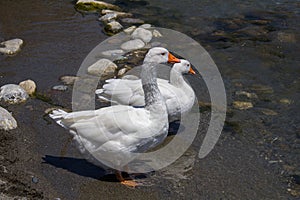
(29, 86)
(119, 14)
(103, 68)
(242, 105)
(121, 72)
(132, 21)
(69, 80)
(7, 121)
(143, 34)
(11, 46)
(145, 26)
(109, 17)
(130, 29)
(13, 94)
(113, 53)
(60, 87)
(133, 45)
(113, 27)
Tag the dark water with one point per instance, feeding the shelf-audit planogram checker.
(255, 45)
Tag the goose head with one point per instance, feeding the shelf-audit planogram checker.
(184, 67)
(160, 55)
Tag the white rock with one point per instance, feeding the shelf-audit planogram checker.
(130, 29)
(60, 87)
(69, 80)
(121, 72)
(13, 94)
(119, 14)
(103, 68)
(113, 27)
(7, 121)
(133, 45)
(29, 86)
(143, 34)
(97, 4)
(156, 33)
(145, 26)
(11, 46)
(109, 17)
(112, 53)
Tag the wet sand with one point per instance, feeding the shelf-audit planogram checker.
(245, 164)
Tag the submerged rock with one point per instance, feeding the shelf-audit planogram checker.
(68, 80)
(93, 6)
(286, 37)
(264, 89)
(133, 45)
(118, 14)
(269, 112)
(113, 27)
(7, 121)
(130, 29)
(29, 86)
(247, 94)
(109, 17)
(143, 34)
(145, 26)
(113, 53)
(156, 33)
(285, 101)
(13, 94)
(60, 87)
(11, 46)
(103, 68)
(132, 21)
(242, 105)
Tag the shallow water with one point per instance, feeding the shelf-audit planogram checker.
(257, 154)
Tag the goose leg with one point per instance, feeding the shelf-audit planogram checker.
(129, 183)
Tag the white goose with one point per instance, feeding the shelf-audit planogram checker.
(121, 129)
(178, 94)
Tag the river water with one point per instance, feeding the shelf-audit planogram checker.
(255, 45)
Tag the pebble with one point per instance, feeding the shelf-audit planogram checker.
(262, 88)
(242, 105)
(143, 34)
(13, 94)
(113, 53)
(285, 101)
(29, 86)
(7, 121)
(145, 26)
(247, 94)
(269, 112)
(11, 46)
(60, 87)
(130, 29)
(156, 33)
(133, 45)
(121, 72)
(68, 80)
(103, 68)
(93, 5)
(35, 180)
(109, 17)
(119, 14)
(132, 21)
(113, 27)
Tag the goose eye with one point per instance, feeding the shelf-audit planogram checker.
(163, 54)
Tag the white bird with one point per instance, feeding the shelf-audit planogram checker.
(110, 135)
(178, 94)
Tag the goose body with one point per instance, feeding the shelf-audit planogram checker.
(178, 94)
(121, 129)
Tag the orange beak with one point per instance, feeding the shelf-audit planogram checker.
(173, 59)
(192, 71)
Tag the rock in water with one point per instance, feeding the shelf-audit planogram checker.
(109, 17)
(11, 46)
(60, 87)
(103, 68)
(143, 34)
(119, 14)
(7, 121)
(94, 6)
(113, 27)
(133, 45)
(68, 80)
(29, 86)
(13, 94)
(130, 29)
(242, 105)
